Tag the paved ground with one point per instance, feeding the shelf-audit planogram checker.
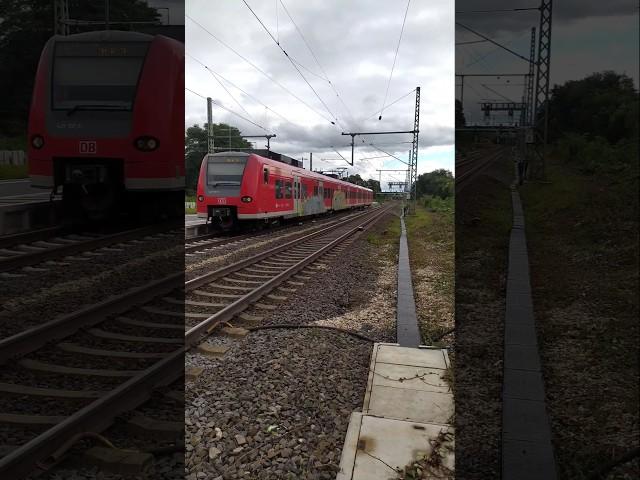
(17, 187)
(192, 219)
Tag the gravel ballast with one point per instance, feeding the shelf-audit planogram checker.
(277, 404)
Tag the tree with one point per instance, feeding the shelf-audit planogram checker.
(603, 104)
(439, 183)
(25, 27)
(195, 147)
(356, 179)
(373, 185)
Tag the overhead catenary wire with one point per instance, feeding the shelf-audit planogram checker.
(333, 87)
(225, 108)
(392, 103)
(294, 65)
(260, 70)
(216, 74)
(394, 59)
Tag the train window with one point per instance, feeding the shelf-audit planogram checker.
(265, 175)
(279, 188)
(321, 191)
(305, 193)
(298, 190)
(287, 190)
(315, 191)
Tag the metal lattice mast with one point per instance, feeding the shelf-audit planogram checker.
(542, 78)
(61, 17)
(210, 138)
(529, 82)
(413, 160)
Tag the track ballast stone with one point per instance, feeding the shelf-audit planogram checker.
(276, 406)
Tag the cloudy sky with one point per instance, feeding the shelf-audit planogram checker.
(587, 36)
(352, 46)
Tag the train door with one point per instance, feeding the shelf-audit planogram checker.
(297, 201)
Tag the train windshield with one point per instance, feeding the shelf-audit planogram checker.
(96, 76)
(225, 171)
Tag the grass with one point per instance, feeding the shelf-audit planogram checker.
(582, 232)
(387, 238)
(10, 172)
(430, 235)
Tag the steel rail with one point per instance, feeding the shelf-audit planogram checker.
(50, 253)
(463, 179)
(95, 417)
(208, 277)
(193, 335)
(58, 328)
(27, 237)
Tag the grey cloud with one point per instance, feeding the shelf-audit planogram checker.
(355, 42)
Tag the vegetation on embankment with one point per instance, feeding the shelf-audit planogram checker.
(582, 233)
(10, 172)
(430, 235)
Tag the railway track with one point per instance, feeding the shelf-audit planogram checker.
(213, 240)
(216, 298)
(25, 252)
(469, 167)
(79, 372)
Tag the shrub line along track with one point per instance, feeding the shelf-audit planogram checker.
(56, 248)
(40, 451)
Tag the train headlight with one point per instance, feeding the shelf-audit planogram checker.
(37, 141)
(146, 144)
(200, 198)
(246, 199)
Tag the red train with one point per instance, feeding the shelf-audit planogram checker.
(237, 187)
(106, 126)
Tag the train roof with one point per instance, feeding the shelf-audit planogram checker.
(278, 163)
(105, 36)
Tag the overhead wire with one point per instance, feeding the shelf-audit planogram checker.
(394, 58)
(348, 110)
(293, 63)
(227, 109)
(260, 70)
(216, 74)
(392, 103)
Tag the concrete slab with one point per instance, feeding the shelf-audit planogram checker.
(527, 452)
(377, 448)
(523, 384)
(406, 404)
(424, 357)
(522, 357)
(527, 460)
(407, 331)
(406, 410)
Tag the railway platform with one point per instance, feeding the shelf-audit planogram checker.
(21, 213)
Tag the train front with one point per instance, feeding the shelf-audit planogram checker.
(96, 129)
(225, 188)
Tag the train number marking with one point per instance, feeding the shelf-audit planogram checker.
(222, 200)
(88, 147)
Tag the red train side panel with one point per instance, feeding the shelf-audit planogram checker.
(235, 186)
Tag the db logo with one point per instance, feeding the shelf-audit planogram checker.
(88, 147)
(222, 200)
